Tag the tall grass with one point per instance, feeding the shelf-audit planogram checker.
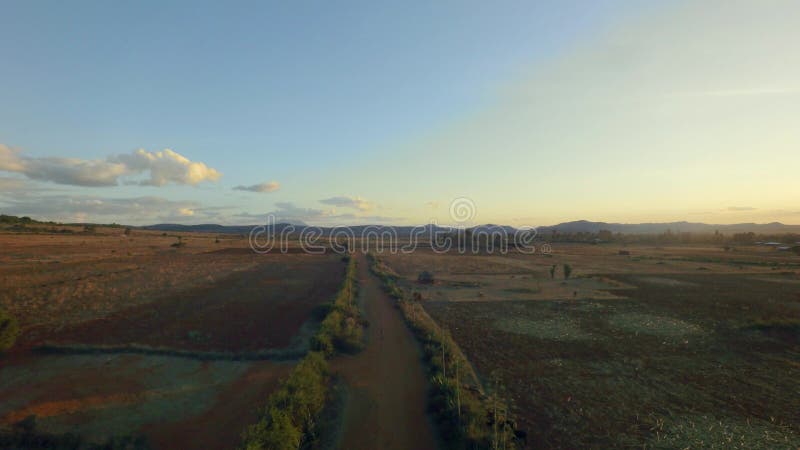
(342, 329)
(465, 416)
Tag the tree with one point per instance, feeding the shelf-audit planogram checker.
(553, 272)
(567, 271)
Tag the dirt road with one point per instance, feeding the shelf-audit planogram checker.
(386, 405)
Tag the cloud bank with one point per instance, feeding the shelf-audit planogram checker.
(349, 202)
(80, 208)
(271, 186)
(159, 169)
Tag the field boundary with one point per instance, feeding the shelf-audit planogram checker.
(261, 355)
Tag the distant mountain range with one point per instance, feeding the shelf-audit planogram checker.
(675, 227)
(579, 226)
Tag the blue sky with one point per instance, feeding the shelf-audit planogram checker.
(378, 112)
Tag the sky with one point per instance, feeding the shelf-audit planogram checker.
(523, 112)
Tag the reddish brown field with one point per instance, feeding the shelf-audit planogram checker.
(107, 291)
(198, 297)
(254, 309)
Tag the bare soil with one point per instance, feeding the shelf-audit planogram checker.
(262, 307)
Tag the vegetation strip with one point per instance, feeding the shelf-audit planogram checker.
(291, 417)
(465, 416)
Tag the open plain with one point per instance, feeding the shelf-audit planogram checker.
(672, 346)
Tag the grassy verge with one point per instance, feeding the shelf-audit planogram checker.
(342, 329)
(465, 416)
(293, 413)
(289, 419)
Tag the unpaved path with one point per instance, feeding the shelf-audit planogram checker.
(385, 408)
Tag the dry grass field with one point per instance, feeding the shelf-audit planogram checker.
(668, 347)
(145, 337)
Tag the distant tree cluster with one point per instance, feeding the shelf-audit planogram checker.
(25, 220)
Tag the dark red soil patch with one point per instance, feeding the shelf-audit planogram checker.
(250, 310)
(221, 426)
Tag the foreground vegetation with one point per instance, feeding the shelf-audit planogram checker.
(464, 415)
(291, 417)
(9, 330)
(342, 328)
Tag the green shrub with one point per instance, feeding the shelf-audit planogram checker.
(9, 330)
(291, 413)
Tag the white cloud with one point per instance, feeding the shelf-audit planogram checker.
(80, 208)
(162, 167)
(167, 166)
(271, 186)
(349, 202)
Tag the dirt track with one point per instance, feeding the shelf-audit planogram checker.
(387, 385)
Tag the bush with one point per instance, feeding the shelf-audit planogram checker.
(9, 330)
(425, 277)
(567, 271)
